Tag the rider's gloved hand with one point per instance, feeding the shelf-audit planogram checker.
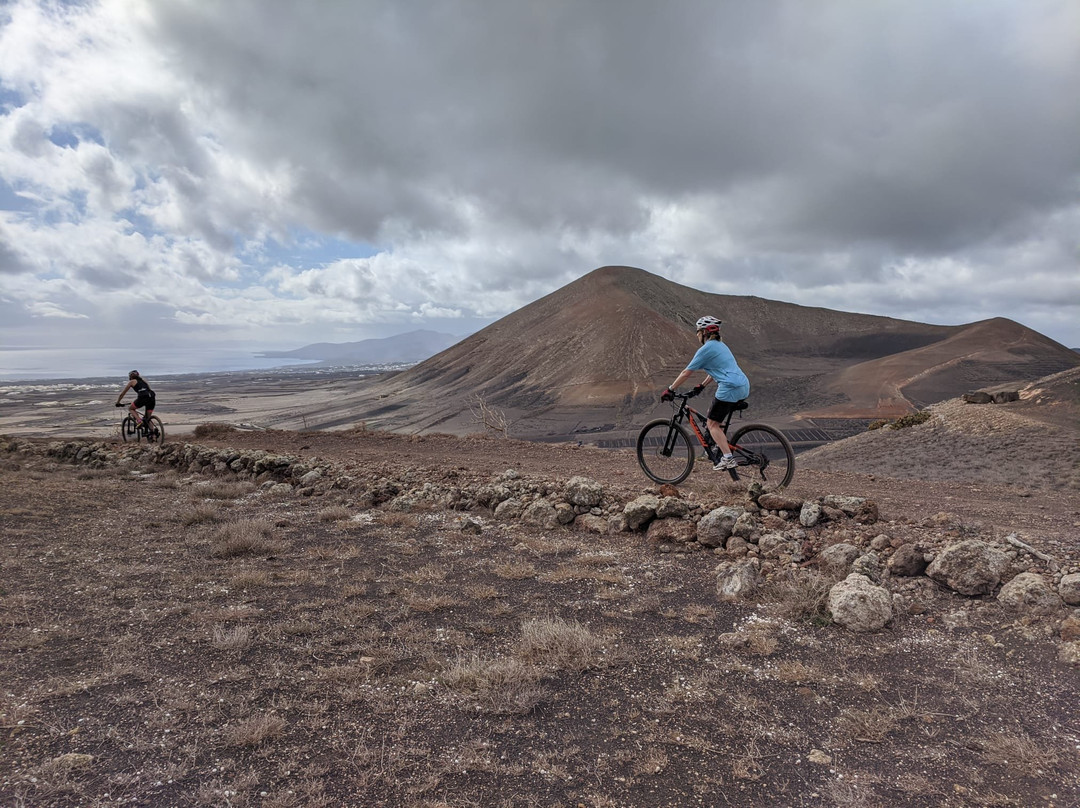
(119, 404)
(667, 395)
(697, 390)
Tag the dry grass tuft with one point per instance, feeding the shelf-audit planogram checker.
(224, 489)
(427, 574)
(429, 603)
(559, 644)
(500, 685)
(515, 570)
(865, 726)
(336, 513)
(247, 537)
(250, 579)
(255, 730)
(651, 762)
(298, 628)
(201, 513)
(800, 595)
(1017, 751)
(235, 639)
(747, 765)
(795, 672)
(480, 591)
(398, 519)
(698, 613)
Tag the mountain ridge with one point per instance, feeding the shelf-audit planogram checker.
(413, 346)
(597, 351)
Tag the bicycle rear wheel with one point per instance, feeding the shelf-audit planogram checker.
(127, 429)
(155, 432)
(665, 452)
(764, 455)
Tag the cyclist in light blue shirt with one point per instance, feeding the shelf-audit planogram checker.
(716, 359)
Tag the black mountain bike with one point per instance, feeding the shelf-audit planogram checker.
(666, 453)
(149, 429)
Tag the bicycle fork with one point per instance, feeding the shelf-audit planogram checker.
(672, 435)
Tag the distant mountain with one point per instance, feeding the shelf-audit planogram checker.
(597, 352)
(414, 346)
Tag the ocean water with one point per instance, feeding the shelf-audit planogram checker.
(31, 364)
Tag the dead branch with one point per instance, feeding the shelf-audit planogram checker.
(489, 416)
(1014, 540)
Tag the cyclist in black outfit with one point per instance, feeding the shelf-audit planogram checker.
(144, 396)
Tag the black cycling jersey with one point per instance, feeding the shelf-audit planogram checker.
(142, 387)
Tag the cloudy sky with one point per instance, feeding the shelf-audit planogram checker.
(199, 173)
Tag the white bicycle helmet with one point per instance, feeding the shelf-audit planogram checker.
(707, 323)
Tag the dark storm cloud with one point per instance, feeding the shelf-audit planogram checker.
(872, 122)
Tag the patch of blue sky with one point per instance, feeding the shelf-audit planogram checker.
(71, 135)
(139, 223)
(74, 208)
(306, 249)
(12, 201)
(9, 98)
(78, 198)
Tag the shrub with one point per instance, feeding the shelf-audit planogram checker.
(911, 419)
(213, 430)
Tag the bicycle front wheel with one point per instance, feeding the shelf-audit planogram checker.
(155, 432)
(764, 454)
(127, 429)
(664, 452)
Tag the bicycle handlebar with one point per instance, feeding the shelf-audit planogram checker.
(670, 395)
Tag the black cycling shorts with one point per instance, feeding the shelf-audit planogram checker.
(721, 409)
(144, 400)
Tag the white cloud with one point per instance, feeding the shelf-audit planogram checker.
(50, 310)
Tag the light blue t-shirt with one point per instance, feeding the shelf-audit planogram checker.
(716, 359)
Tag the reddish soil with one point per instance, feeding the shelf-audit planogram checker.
(174, 639)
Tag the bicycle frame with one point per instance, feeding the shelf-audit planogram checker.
(698, 423)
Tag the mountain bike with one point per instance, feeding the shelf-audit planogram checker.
(149, 429)
(666, 453)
